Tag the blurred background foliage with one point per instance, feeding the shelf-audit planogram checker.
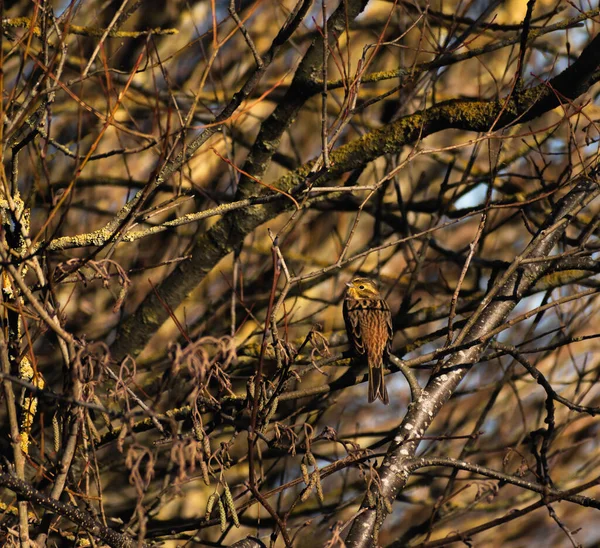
(95, 116)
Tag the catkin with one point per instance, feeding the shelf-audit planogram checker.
(318, 486)
(307, 492)
(210, 504)
(273, 410)
(231, 505)
(304, 471)
(56, 431)
(222, 516)
(370, 498)
(204, 469)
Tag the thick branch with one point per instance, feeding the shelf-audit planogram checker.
(77, 516)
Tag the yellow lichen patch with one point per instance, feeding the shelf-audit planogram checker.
(25, 370)
(7, 287)
(29, 403)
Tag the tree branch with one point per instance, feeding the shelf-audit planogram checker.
(469, 115)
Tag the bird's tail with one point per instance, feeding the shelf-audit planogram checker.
(377, 387)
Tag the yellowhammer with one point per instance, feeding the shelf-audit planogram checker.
(369, 327)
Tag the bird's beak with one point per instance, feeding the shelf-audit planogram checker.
(349, 284)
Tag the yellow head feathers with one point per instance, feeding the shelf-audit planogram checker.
(362, 288)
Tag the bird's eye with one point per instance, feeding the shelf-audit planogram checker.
(361, 287)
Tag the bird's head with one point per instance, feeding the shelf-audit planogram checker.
(362, 288)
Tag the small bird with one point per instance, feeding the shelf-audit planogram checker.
(369, 327)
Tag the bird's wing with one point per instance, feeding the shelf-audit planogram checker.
(388, 318)
(352, 311)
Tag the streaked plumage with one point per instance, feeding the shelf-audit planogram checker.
(369, 327)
